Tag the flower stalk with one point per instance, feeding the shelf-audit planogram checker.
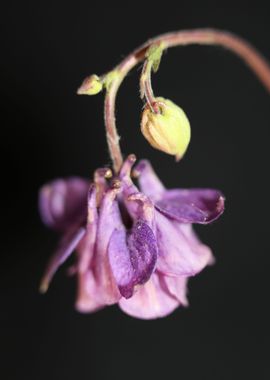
(235, 44)
(146, 86)
(152, 62)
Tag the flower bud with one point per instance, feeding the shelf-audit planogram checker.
(168, 130)
(91, 86)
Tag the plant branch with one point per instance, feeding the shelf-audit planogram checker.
(237, 45)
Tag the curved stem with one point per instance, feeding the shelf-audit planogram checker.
(182, 38)
(146, 86)
(111, 131)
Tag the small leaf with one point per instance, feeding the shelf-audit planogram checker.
(154, 54)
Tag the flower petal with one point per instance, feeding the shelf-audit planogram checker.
(109, 220)
(67, 246)
(124, 176)
(100, 178)
(192, 206)
(62, 202)
(149, 182)
(177, 287)
(132, 256)
(150, 301)
(140, 207)
(191, 235)
(179, 253)
(87, 245)
(88, 299)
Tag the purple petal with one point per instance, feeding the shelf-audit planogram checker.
(151, 300)
(88, 299)
(132, 256)
(63, 202)
(177, 287)
(100, 178)
(192, 237)
(124, 176)
(127, 166)
(67, 246)
(179, 253)
(192, 206)
(109, 220)
(87, 245)
(139, 206)
(149, 182)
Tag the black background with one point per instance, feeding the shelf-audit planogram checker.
(47, 131)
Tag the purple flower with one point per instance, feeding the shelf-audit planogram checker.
(135, 246)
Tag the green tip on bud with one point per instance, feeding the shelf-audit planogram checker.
(92, 85)
(154, 54)
(167, 130)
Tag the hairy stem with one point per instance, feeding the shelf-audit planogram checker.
(237, 45)
(146, 86)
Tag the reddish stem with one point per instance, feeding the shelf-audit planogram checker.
(237, 45)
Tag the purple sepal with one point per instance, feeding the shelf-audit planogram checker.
(177, 288)
(88, 297)
(191, 206)
(63, 202)
(67, 245)
(179, 253)
(148, 181)
(109, 220)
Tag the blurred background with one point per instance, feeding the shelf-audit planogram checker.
(48, 132)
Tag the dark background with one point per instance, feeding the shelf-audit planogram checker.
(48, 131)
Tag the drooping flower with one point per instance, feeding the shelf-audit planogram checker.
(135, 246)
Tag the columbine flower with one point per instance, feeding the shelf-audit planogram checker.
(134, 247)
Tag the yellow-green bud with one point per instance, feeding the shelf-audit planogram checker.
(168, 130)
(91, 86)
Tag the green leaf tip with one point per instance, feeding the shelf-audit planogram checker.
(154, 54)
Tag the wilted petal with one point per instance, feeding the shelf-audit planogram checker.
(177, 287)
(87, 245)
(65, 249)
(150, 301)
(191, 235)
(124, 176)
(88, 299)
(100, 178)
(63, 202)
(138, 205)
(132, 256)
(127, 166)
(109, 220)
(149, 182)
(192, 206)
(179, 255)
